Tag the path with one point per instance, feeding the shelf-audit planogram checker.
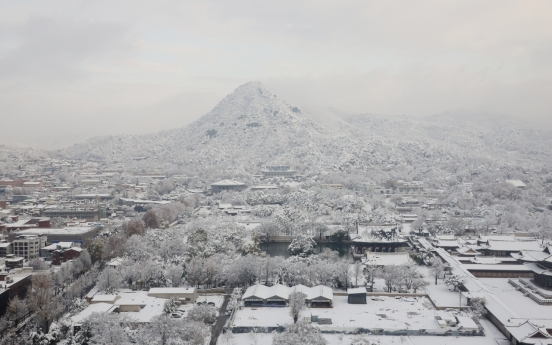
(221, 321)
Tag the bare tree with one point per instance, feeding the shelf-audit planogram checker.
(437, 268)
(410, 276)
(343, 273)
(114, 246)
(299, 333)
(151, 220)
(320, 229)
(357, 271)
(106, 329)
(165, 330)
(17, 309)
(204, 313)
(268, 229)
(109, 281)
(43, 301)
(38, 264)
(392, 275)
(175, 273)
(135, 227)
(418, 283)
(171, 306)
(296, 304)
(95, 249)
(194, 271)
(86, 260)
(371, 272)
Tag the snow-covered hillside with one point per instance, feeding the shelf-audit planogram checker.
(252, 127)
(247, 129)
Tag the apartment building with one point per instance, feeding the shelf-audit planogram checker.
(28, 246)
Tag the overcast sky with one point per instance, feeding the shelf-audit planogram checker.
(73, 69)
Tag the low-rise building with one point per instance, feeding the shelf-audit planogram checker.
(63, 255)
(90, 182)
(29, 223)
(405, 187)
(278, 295)
(184, 295)
(88, 213)
(12, 285)
(6, 248)
(275, 295)
(13, 262)
(133, 202)
(93, 197)
(227, 185)
(356, 296)
(47, 252)
(517, 183)
(278, 171)
(540, 263)
(77, 234)
(32, 184)
(506, 248)
(320, 297)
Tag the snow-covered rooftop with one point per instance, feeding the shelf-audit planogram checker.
(228, 183)
(92, 308)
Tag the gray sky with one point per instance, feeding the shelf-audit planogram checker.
(74, 69)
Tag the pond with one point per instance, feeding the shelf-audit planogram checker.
(281, 249)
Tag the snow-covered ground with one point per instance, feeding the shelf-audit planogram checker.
(262, 317)
(492, 337)
(521, 305)
(217, 299)
(441, 295)
(386, 313)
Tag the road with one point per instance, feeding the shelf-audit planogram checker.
(221, 321)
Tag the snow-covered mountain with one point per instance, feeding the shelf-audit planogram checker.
(252, 127)
(247, 129)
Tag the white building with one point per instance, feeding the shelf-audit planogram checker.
(517, 183)
(28, 246)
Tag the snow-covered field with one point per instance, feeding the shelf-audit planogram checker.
(492, 337)
(217, 299)
(441, 295)
(387, 313)
(262, 317)
(521, 305)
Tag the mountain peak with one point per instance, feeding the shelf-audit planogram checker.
(254, 84)
(252, 89)
(252, 104)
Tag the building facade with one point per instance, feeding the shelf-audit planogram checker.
(227, 185)
(90, 214)
(278, 171)
(28, 246)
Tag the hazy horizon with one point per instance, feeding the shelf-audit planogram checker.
(72, 70)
